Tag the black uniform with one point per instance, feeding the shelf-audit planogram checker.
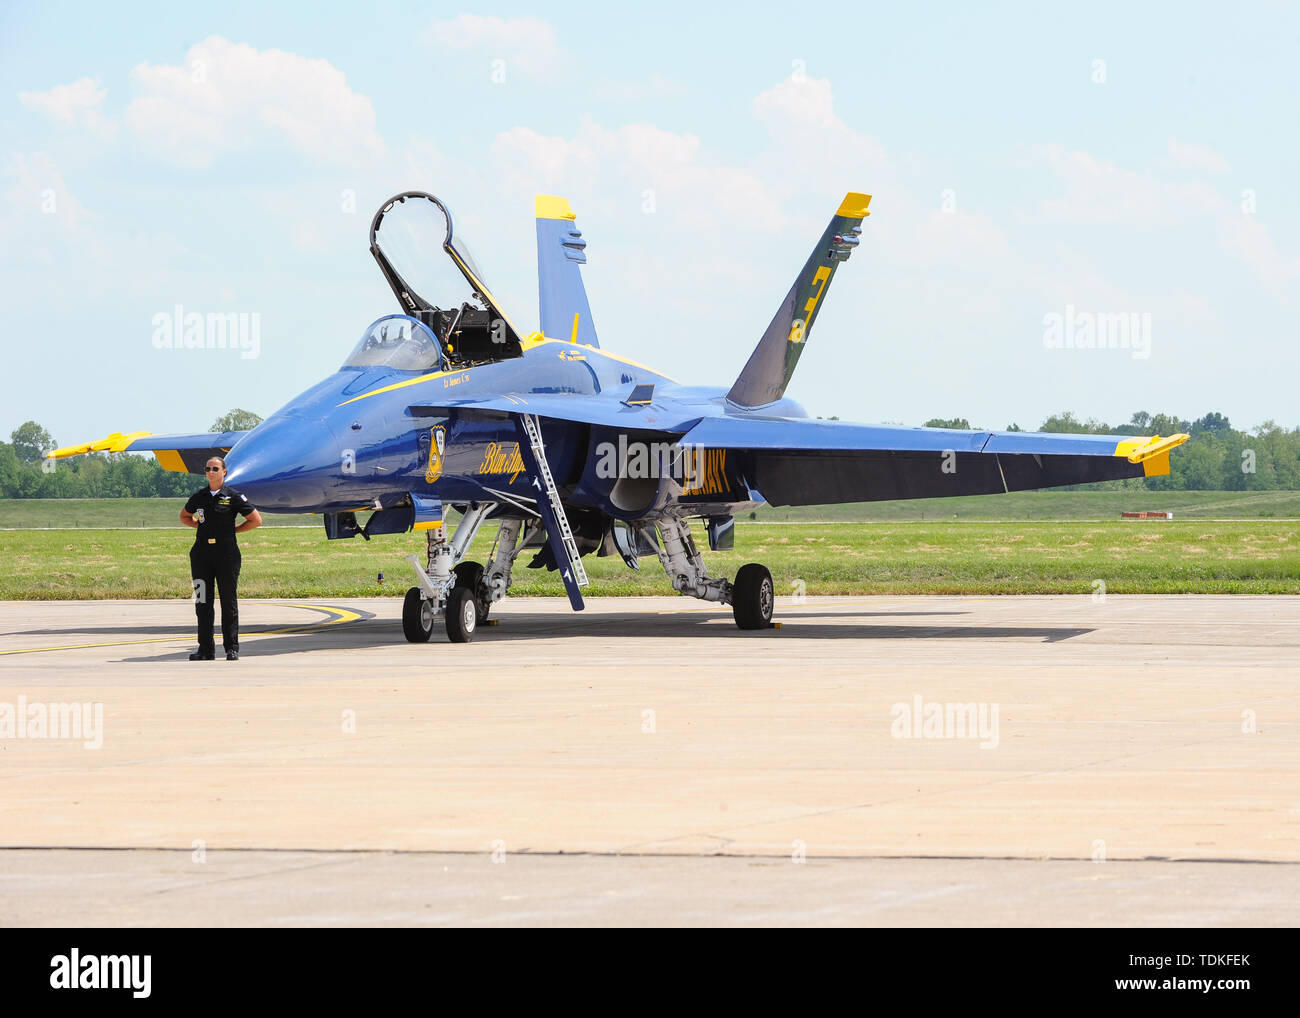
(215, 557)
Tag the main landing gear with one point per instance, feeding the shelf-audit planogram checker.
(463, 592)
(752, 596)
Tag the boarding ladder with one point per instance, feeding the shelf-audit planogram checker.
(534, 433)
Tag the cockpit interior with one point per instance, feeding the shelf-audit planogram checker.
(438, 286)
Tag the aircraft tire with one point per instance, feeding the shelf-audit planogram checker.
(470, 574)
(417, 617)
(461, 615)
(753, 597)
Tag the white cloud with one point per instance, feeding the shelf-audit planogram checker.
(1246, 238)
(807, 100)
(812, 153)
(528, 44)
(1076, 281)
(77, 103)
(59, 246)
(229, 96)
(39, 199)
(1197, 157)
(663, 170)
(957, 239)
(1099, 192)
(657, 86)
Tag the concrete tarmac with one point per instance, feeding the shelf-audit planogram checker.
(884, 760)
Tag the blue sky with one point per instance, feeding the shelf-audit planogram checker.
(1112, 159)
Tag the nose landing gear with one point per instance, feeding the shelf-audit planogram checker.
(417, 616)
(472, 577)
(461, 615)
(444, 586)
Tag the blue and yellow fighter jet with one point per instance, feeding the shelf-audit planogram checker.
(578, 450)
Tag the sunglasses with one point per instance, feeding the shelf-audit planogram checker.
(212, 470)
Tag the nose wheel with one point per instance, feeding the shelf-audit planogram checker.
(461, 615)
(417, 616)
(470, 575)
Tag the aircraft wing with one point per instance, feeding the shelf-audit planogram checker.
(185, 454)
(809, 462)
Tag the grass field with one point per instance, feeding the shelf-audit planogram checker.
(1022, 557)
(1022, 505)
(78, 513)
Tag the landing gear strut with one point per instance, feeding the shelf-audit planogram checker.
(752, 597)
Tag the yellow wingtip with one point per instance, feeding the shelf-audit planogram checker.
(116, 442)
(551, 206)
(854, 205)
(1152, 453)
(1138, 450)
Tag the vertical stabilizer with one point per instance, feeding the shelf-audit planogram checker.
(561, 297)
(771, 365)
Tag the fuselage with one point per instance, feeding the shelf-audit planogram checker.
(359, 439)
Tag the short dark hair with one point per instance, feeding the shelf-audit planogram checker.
(219, 459)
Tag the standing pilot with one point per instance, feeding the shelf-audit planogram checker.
(215, 556)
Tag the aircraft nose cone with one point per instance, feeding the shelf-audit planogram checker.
(285, 464)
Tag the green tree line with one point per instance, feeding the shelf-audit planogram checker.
(1217, 457)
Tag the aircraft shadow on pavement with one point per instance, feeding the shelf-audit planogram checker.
(515, 627)
(186, 629)
(180, 632)
(720, 626)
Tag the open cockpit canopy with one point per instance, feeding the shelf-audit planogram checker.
(437, 281)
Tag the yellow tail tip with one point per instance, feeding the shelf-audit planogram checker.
(550, 206)
(854, 205)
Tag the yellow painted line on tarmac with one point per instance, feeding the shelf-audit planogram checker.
(335, 616)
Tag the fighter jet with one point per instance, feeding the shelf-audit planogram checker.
(566, 446)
